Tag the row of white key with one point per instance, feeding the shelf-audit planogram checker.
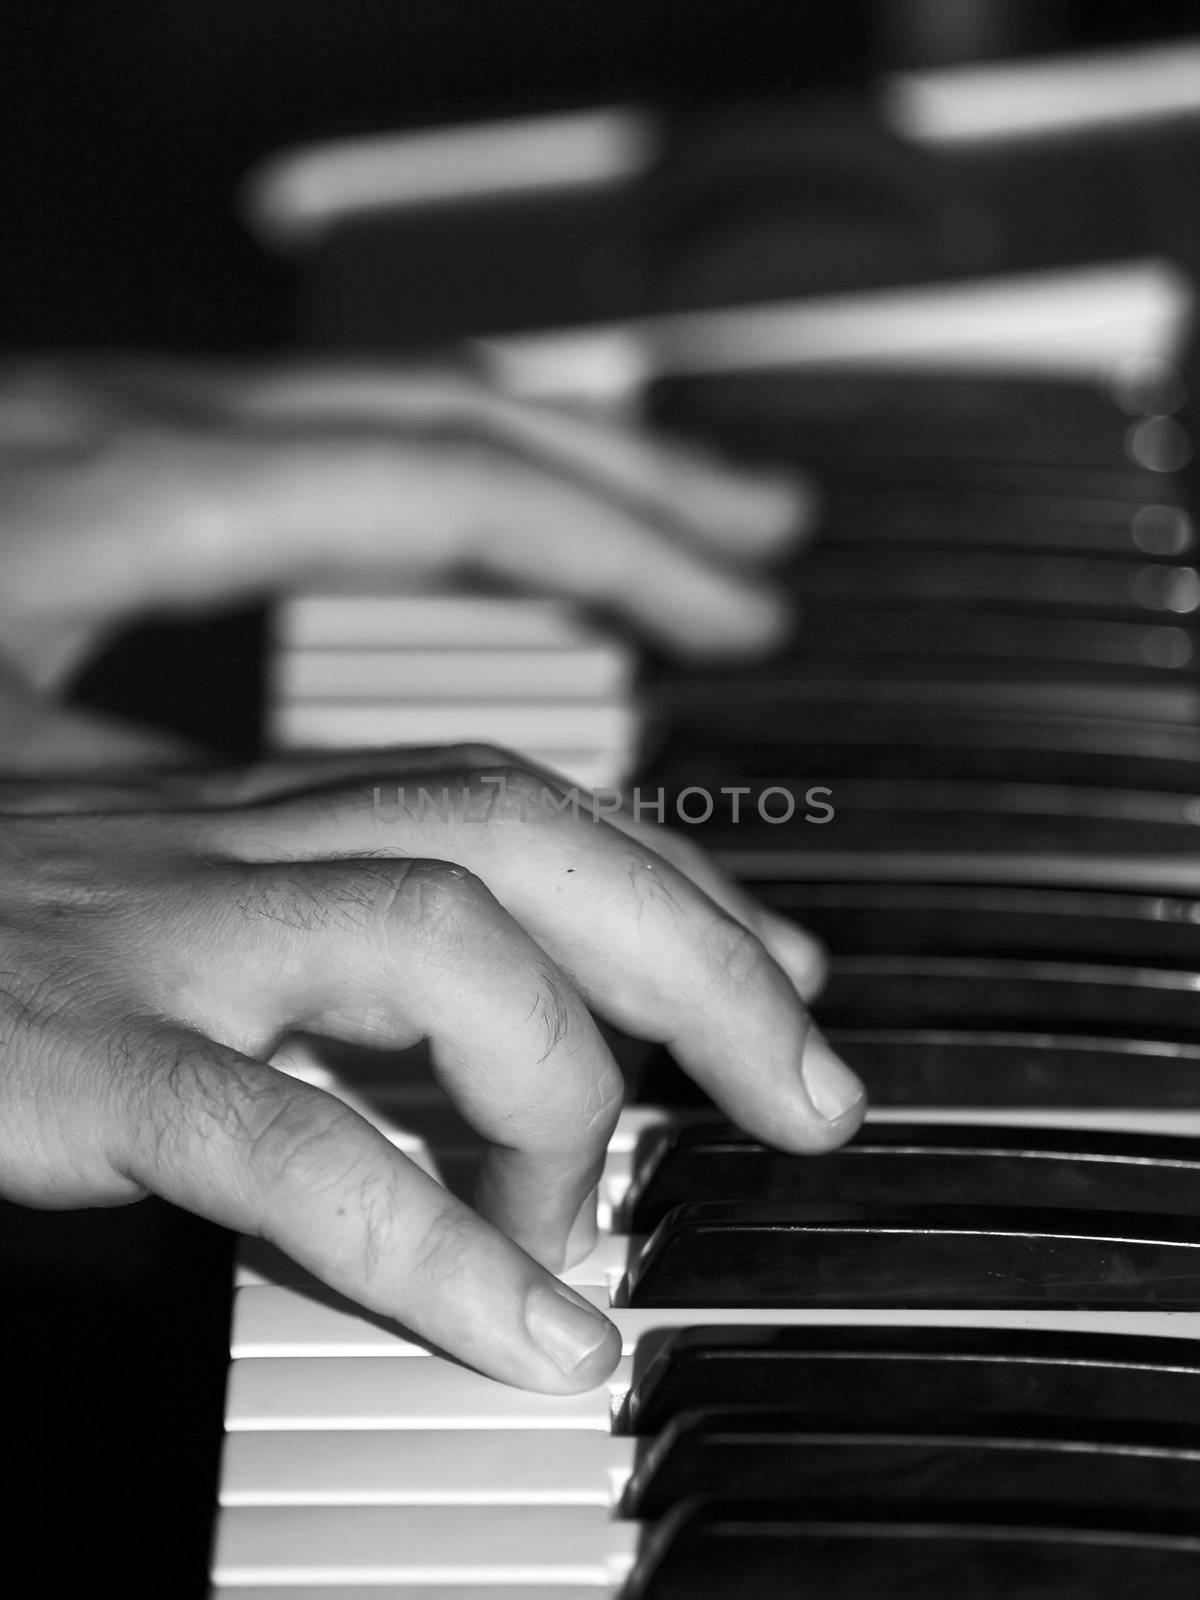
(356, 1457)
(356, 671)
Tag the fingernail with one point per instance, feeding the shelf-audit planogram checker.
(564, 1327)
(832, 1087)
(581, 1240)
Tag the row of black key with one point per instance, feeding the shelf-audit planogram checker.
(999, 641)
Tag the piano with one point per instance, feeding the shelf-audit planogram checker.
(997, 687)
(962, 1351)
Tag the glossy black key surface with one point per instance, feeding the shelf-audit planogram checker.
(888, 417)
(754, 1253)
(914, 919)
(962, 1067)
(797, 744)
(895, 1163)
(1135, 590)
(914, 687)
(738, 1550)
(915, 1377)
(1158, 528)
(989, 819)
(852, 638)
(765, 1452)
(929, 991)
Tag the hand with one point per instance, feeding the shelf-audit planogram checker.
(131, 486)
(152, 959)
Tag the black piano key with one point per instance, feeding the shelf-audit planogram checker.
(964, 578)
(914, 689)
(904, 1377)
(712, 1549)
(748, 1254)
(963, 991)
(832, 631)
(963, 1067)
(895, 1164)
(980, 684)
(1131, 483)
(797, 744)
(968, 418)
(914, 919)
(999, 821)
(1159, 528)
(931, 1067)
(764, 1452)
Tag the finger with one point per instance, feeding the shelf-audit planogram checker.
(306, 511)
(385, 953)
(737, 513)
(225, 1136)
(645, 947)
(800, 955)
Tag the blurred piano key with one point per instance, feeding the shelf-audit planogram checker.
(1053, 95)
(386, 675)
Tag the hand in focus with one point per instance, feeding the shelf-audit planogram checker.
(129, 486)
(154, 956)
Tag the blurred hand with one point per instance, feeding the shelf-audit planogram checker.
(156, 945)
(135, 485)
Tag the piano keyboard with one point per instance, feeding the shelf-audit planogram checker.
(966, 1349)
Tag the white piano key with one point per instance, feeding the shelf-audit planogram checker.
(576, 1467)
(596, 672)
(547, 726)
(432, 620)
(414, 1591)
(1118, 1119)
(635, 1322)
(421, 1544)
(294, 197)
(272, 1323)
(351, 1392)
(300, 1318)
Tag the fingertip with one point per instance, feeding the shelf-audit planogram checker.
(771, 510)
(835, 1091)
(578, 1346)
(801, 956)
(737, 620)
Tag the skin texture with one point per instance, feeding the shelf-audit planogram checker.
(158, 939)
(164, 928)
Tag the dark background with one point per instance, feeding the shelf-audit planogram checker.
(126, 124)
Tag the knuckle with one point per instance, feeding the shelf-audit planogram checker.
(507, 792)
(438, 896)
(293, 1136)
(444, 1251)
(738, 955)
(481, 755)
(555, 1012)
